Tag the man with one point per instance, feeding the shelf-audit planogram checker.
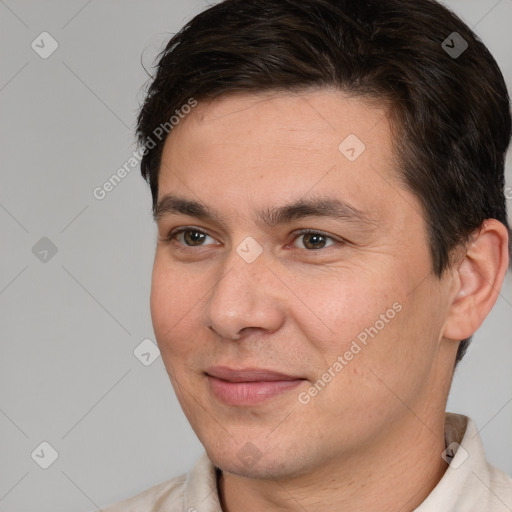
(327, 180)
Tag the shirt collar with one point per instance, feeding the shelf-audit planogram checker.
(467, 476)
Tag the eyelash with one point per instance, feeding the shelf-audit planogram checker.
(298, 234)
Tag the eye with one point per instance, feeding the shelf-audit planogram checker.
(314, 240)
(311, 240)
(189, 237)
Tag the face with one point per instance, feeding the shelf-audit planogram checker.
(292, 295)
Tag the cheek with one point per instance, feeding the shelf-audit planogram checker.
(372, 344)
(174, 303)
(349, 309)
(399, 356)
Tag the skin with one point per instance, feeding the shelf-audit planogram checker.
(372, 438)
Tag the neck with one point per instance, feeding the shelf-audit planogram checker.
(397, 472)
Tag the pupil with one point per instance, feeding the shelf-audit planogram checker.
(314, 240)
(192, 237)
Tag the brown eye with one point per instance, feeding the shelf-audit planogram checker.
(189, 237)
(314, 240)
(193, 237)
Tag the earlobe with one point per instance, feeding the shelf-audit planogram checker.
(478, 280)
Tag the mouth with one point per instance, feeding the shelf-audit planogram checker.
(249, 386)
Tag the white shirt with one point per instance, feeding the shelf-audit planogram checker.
(470, 483)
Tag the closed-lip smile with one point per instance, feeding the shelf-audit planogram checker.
(248, 374)
(248, 386)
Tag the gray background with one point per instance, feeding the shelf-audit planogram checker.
(70, 323)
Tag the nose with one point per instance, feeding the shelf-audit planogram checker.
(246, 297)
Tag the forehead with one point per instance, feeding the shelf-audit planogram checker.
(265, 148)
(309, 120)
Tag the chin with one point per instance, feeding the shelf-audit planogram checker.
(249, 462)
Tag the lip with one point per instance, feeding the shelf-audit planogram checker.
(248, 374)
(249, 386)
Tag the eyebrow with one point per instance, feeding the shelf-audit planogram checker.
(327, 207)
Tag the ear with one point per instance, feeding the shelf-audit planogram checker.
(477, 280)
